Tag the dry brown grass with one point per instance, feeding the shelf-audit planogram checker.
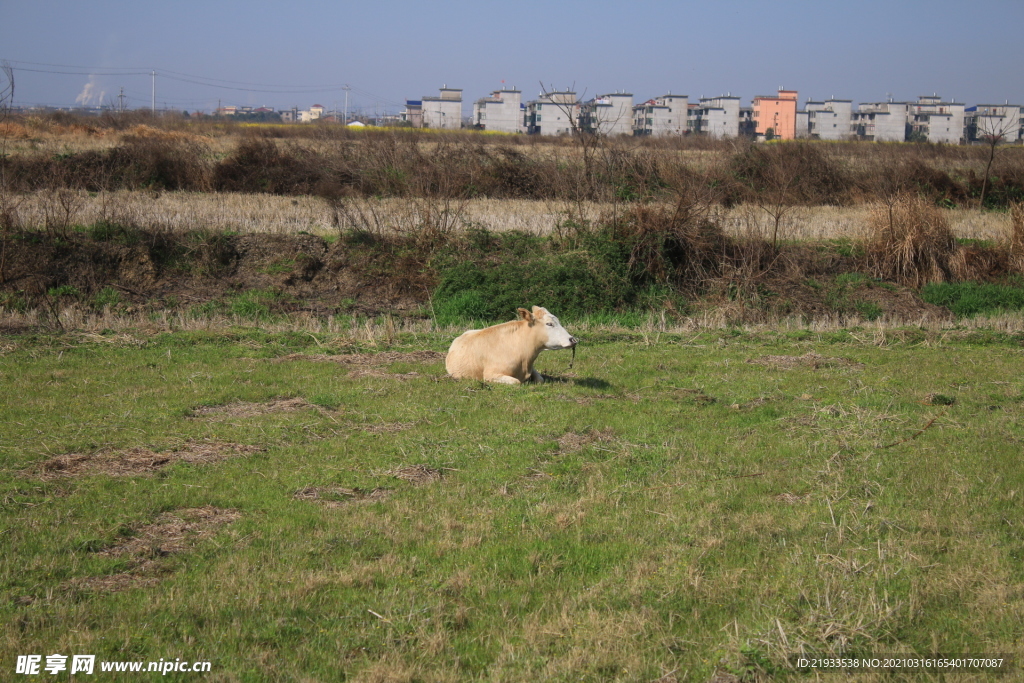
(338, 496)
(1016, 246)
(262, 213)
(910, 241)
(139, 460)
(570, 442)
(416, 474)
(243, 409)
(808, 360)
(171, 533)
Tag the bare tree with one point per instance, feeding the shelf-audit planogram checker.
(580, 186)
(994, 130)
(891, 182)
(773, 180)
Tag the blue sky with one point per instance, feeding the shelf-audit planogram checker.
(285, 54)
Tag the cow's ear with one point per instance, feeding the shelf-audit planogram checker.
(526, 315)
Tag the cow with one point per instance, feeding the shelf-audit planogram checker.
(505, 353)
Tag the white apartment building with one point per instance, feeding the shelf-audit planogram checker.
(553, 114)
(881, 121)
(828, 120)
(501, 111)
(314, 113)
(610, 114)
(444, 111)
(938, 121)
(986, 120)
(665, 115)
(717, 117)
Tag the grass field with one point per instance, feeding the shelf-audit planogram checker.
(301, 506)
(262, 213)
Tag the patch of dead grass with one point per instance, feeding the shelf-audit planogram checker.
(241, 409)
(171, 533)
(138, 460)
(417, 474)
(571, 442)
(338, 496)
(808, 360)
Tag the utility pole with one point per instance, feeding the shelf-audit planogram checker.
(154, 93)
(346, 89)
(120, 101)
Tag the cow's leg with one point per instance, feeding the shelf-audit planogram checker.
(503, 379)
(536, 377)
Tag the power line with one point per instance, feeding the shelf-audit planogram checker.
(204, 81)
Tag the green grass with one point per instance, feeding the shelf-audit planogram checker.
(665, 506)
(968, 299)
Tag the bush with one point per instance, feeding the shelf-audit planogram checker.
(910, 241)
(572, 284)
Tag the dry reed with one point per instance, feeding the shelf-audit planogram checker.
(910, 241)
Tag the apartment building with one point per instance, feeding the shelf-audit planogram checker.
(775, 115)
(502, 111)
(443, 111)
(881, 121)
(986, 120)
(314, 113)
(665, 115)
(554, 113)
(717, 117)
(610, 114)
(933, 120)
(828, 120)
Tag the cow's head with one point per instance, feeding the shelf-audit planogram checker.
(552, 333)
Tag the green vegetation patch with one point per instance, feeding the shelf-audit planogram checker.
(968, 299)
(490, 275)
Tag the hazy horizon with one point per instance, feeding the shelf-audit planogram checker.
(263, 53)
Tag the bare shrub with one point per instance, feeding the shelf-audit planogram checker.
(1016, 246)
(260, 165)
(167, 162)
(780, 176)
(61, 205)
(910, 241)
(679, 243)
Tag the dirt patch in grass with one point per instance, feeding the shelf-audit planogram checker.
(570, 442)
(383, 358)
(808, 360)
(172, 533)
(139, 460)
(692, 396)
(386, 427)
(358, 374)
(417, 474)
(338, 496)
(240, 409)
(755, 403)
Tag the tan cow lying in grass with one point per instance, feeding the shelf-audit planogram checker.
(505, 353)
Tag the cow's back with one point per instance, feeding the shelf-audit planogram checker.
(465, 359)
